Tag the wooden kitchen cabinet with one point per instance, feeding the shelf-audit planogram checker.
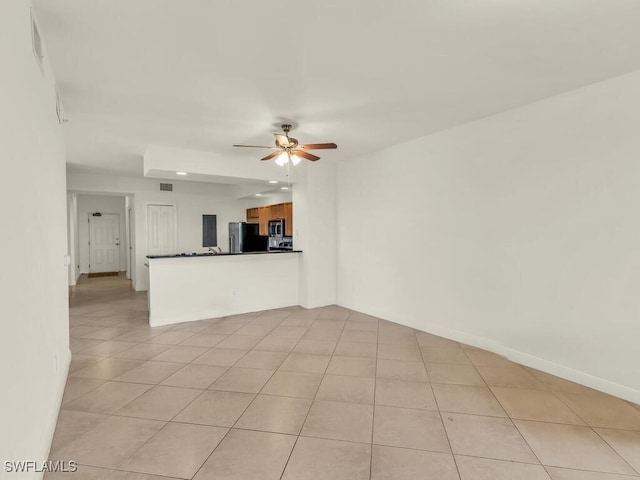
(288, 219)
(277, 211)
(262, 215)
(253, 215)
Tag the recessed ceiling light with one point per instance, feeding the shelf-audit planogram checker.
(258, 194)
(273, 181)
(284, 188)
(181, 173)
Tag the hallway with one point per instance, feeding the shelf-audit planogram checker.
(317, 394)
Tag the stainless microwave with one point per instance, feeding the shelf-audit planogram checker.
(276, 228)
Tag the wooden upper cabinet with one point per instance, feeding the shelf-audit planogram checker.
(277, 211)
(252, 215)
(288, 219)
(262, 215)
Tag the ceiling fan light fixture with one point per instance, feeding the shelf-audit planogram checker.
(282, 159)
(289, 151)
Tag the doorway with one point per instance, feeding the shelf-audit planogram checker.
(131, 265)
(161, 230)
(104, 242)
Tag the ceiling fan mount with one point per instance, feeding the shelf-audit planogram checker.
(291, 142)
(289, 150)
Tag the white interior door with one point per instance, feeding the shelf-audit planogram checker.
(131, 259)
(161, 230)
(104, 243)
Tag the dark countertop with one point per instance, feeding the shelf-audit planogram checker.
(211, 254)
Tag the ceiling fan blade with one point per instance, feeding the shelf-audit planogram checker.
(282, 140)
(257, 146)
(271, 155)
(318, 146)
(303, 154)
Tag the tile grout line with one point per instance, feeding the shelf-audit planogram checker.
(375, 389)
(166, 422)
(505, 411)
(312, 400)
(515, 426)
(106, 305)
(592, 428)
(455, 461)
(614, 449)
(239, 416)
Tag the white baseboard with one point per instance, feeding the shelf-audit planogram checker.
(61, 382)
(528, 360)
(74, 280)
(577, 376)
(160, 321)
(562, 371)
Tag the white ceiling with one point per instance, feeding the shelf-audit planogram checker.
(203, 74)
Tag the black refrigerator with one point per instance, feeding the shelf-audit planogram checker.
(245, 237)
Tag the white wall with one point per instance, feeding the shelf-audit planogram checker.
(34, 349)
(269, 199)
(519, 233)
(197, 288)
(88, 204)
(314, 232)
(192, 200)
(72, 238)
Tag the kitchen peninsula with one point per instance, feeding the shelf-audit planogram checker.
(188, 287)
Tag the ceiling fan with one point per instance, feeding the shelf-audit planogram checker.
(288, 150)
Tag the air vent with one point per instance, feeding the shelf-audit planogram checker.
(37, 43)
(166, 187)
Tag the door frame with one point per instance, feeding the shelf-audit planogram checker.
(146, 222)
(76, 226)
(89, 215)
(131, 261)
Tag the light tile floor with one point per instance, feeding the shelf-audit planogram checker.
(318, 394)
